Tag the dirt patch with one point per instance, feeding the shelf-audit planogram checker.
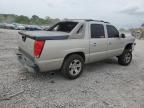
(102, 85)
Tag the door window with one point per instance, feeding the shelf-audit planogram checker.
(97, 31)
(112, 32)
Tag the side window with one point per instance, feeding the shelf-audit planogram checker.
(56, 28)
(80, 30)
(112, 32)
(97, 31)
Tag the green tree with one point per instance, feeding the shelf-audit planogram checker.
(23, 19)
(11, 18)
(51, 21)
(37, 20)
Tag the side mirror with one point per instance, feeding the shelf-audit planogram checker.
(122, 36)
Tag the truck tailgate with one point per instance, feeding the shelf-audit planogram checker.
(26, 44)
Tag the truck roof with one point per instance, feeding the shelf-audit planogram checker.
(87, 20)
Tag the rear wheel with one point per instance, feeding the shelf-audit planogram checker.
(73, 66)
(126, 58)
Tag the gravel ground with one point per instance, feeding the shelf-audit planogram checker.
(102, 85)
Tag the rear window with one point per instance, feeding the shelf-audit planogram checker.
(64, 26)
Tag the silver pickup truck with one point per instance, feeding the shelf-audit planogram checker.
(68, 45)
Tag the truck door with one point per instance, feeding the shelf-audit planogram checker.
(98, 42)
(115, 43)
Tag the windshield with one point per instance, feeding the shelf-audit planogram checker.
(64, 27)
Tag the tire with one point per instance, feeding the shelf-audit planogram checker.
(126, 58)
(73, 66)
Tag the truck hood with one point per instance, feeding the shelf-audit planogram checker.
(129, 37)
(45, 35)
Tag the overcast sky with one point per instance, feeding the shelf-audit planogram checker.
(122, 13)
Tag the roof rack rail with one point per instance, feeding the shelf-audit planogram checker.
(78, 19)
(90, 20)
(96, 20)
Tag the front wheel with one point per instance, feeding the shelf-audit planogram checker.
(126, 58)
(73, 66)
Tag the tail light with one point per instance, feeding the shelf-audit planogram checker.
(38, 47)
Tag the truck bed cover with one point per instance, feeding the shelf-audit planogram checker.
(44, 35)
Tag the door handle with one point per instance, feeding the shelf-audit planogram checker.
(94, 44)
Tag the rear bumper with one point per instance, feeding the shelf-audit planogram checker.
(27, 61)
